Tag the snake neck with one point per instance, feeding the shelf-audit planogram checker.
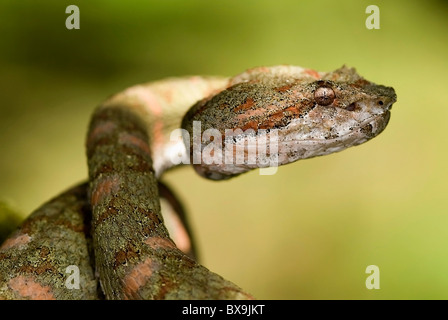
(128, 147)
(161, 105)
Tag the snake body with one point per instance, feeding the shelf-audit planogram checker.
(112, 229)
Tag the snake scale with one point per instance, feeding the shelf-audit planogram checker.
(111, 228)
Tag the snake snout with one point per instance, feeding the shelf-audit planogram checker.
(387, 97)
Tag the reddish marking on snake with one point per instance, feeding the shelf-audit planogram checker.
(133, 141)
(105, 187)
(251, 113)
(284, 88)
(259, 112)
(160, 243)
(147, 97)
(195, 79)
(103, 128)
(250, 125)
(138, 277)
(15, 241)
(245, 106)
(26, 287)
(272, 120)
(157, 130)
(294, 110)
(258, 69)
(312, 73)
(151, 103)
(167, 96)
(180, 235)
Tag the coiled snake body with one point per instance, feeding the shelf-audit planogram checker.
(110, 229)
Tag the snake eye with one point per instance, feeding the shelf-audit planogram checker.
(324, 95)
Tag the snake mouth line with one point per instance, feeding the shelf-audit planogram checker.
(355, 129)
(375, 118)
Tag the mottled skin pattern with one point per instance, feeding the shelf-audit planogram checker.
(135, 257)
(34, 259)
(129, 147)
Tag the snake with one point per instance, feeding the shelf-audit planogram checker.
(108, 238)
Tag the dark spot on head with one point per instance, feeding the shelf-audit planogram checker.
(351, 107)
(367, 130)
(380, 103)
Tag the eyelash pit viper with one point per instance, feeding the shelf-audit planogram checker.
(111, 227)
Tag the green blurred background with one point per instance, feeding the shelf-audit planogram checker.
(308, 232)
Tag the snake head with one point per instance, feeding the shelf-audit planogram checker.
(278, 115)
